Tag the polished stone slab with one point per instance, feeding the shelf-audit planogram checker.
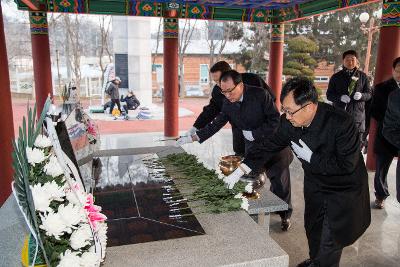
(232, 239)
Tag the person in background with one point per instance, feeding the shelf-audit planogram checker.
(131, 101)
(385, 151)
(113, 92)
(349, 89)
(336, 194)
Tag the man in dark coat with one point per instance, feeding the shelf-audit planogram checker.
(113, 91)
(217, 98)
(391, 122)
(384, 150)
(336, 194)
(349, 89)
(252, 111)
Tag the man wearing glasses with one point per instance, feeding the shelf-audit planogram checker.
(217, 98)
(252, 111)
(336, 195)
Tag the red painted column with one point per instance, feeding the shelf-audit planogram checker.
(6, 118)
(388, 50)
(171, 104)
(41, 58)
(276, 61)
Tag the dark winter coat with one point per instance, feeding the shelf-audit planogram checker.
(338, 86)
(336, 173)
(378, 109)
(391, 123)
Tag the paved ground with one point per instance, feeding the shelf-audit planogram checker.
(135, 126)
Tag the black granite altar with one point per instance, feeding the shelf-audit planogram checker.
(133, 192)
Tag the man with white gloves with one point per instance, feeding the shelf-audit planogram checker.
(336, 195)
(349, 89)
(252, 111)
(217, 98)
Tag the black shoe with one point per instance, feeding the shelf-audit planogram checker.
(285, 224)
(379, 203)
(306, 263)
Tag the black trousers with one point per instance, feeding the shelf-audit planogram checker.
(324, 251)
(383, 162)
(113, 102)
(277, 171)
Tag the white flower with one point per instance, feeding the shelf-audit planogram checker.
(41, 199)
(238, 195)
(54, 191)
(75, 195)
(90, 259)
(34, 155)
(245, 204)
(249, 188)
(354, 78)
(71, 215)
(69, 259)
(42, 141)
(81, 237)
(102, 235)
(53, 168)
(53, 224)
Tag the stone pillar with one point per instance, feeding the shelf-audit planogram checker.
(276, 61)
(132, 51)
(171, 98)
(6, 118)
(41, 58)
(388, 50)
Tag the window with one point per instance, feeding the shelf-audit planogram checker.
(321, 79)
(203, 73)
(154, 67)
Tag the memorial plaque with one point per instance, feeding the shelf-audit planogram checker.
(121, 70)
(132, 192)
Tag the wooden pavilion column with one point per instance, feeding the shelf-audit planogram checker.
(41, 58)
(171, 104)
(6, 118)
(276, 61)
(388, 50)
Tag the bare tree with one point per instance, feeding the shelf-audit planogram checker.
(218, 35)
(185, 36)
(104, 46)
(157, 41)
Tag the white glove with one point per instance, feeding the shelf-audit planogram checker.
(191, 131)
(184, 140)
(345, 99)
(248, 135)
(357, 96)
(303, 152)
(234, 177)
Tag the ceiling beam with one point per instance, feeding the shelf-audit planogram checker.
(30, 5)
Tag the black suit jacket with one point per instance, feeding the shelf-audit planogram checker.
(336, 173)
(391, 123)
(378, 109)
(257, 113)
(338, 86)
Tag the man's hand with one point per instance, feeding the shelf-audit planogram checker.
(184, 140)
(303, 151)
(357, 96)
(345, 99)
(191, 131)
(234, 177)
(248, 135)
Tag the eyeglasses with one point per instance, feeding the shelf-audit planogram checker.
(291, 113)
(229, 90)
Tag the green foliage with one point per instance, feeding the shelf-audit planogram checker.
(291, 72)
(294, 65)
(22, 172)
(203, 184)
(302, 44)
(307, 72)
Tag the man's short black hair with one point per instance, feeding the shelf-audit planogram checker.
(303, 90)
(350, 52)
(221, 66)
(396, 62)
(231, 74)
